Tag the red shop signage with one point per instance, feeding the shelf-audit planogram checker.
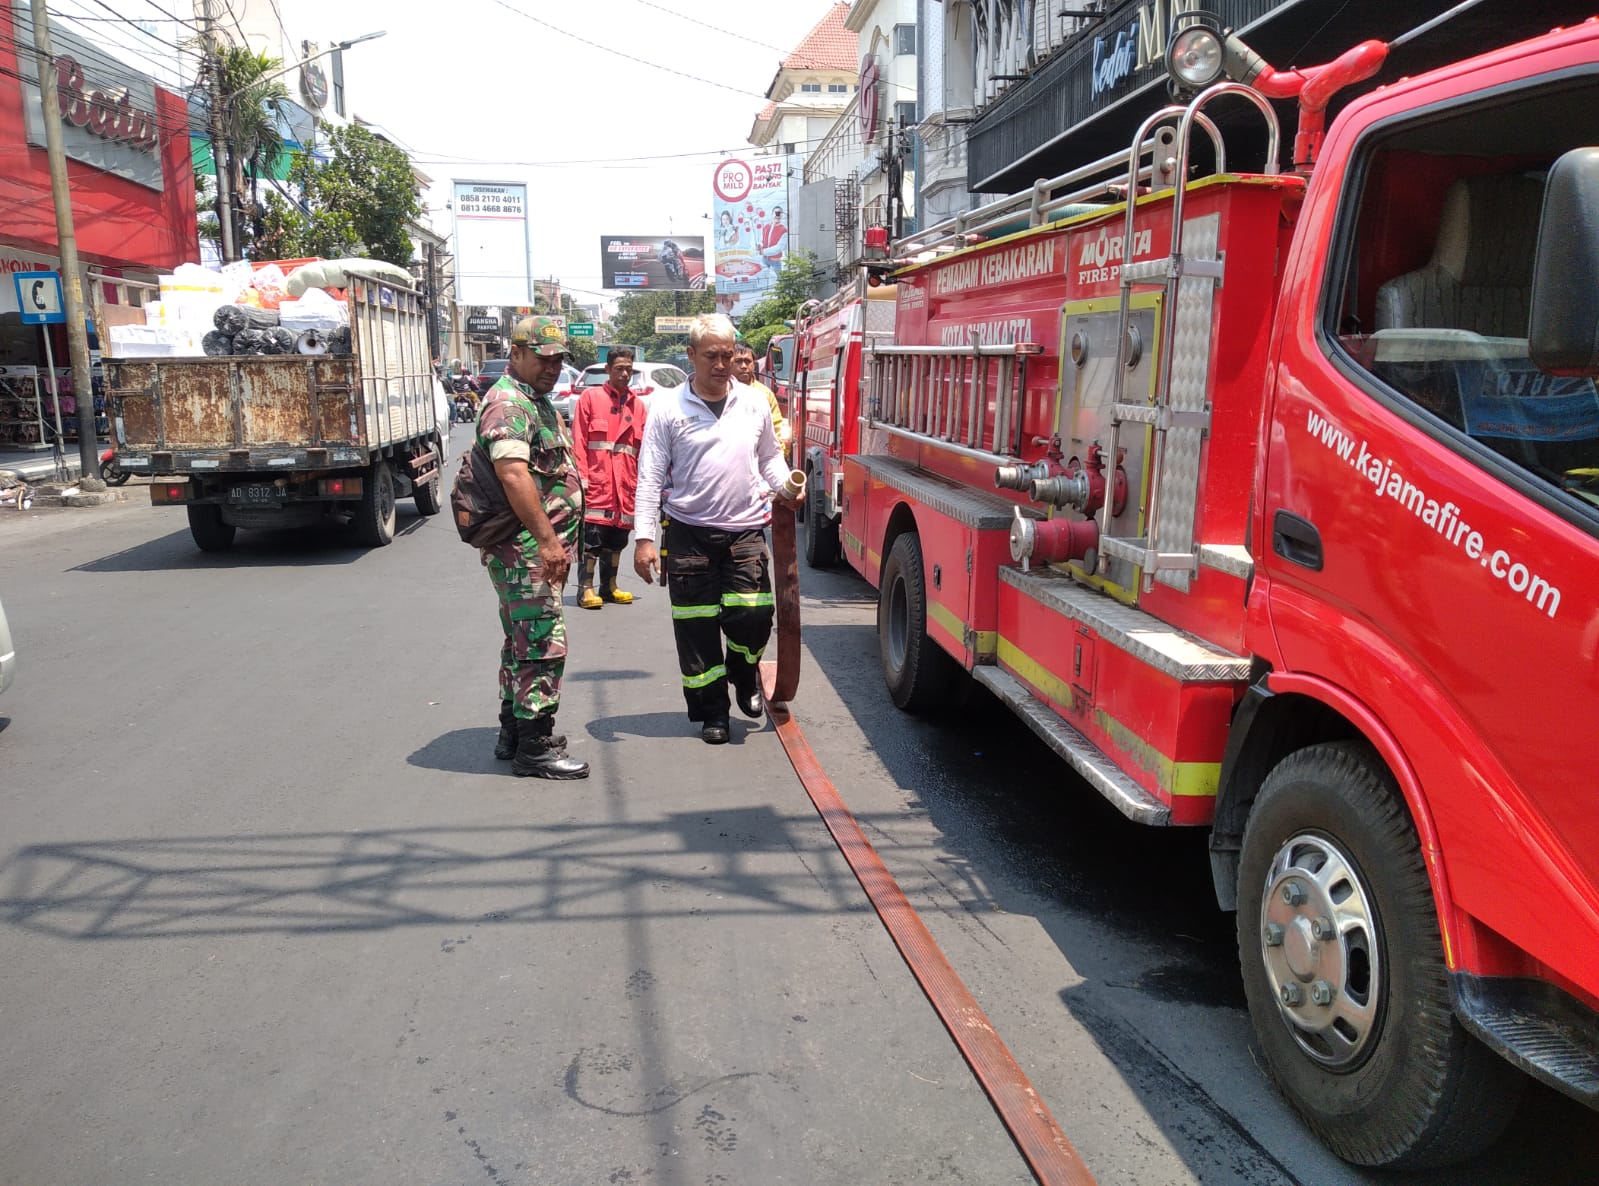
(110, 116)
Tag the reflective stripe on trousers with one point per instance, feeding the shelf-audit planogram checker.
(720, 585)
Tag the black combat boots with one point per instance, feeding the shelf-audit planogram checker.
(505, 743)
(541, 754)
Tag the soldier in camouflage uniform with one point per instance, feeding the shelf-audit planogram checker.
(522, 434)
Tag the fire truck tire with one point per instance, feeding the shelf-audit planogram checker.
(821, 532)
(375, 515)
(210, 533)
(1381, 1071)
(920, 676)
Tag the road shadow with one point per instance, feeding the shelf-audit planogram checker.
(460, 751)
(313, 883)
(661, 725)
(324, 544)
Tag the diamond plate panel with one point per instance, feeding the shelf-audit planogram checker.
(1148, 639)
(1190, 386)
(970, 507)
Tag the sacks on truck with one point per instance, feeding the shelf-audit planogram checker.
(316, 310)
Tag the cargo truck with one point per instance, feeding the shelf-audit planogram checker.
(288, 440)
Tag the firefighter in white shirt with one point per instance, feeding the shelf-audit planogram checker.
(713, 439)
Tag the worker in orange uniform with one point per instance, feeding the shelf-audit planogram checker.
(607, 429)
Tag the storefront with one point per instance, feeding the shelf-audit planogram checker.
(1087, 99)
(128, 167)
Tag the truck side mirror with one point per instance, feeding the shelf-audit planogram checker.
(1564, 334)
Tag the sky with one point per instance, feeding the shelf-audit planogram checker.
(477, 90)
(613, 112)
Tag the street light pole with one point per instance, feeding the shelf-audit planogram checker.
(321, 53)
(213, 69)
(66, 235)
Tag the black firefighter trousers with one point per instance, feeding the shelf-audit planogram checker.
(720, 584)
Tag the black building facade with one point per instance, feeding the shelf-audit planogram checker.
(1087, 99)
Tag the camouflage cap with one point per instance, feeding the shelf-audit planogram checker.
(542, 335)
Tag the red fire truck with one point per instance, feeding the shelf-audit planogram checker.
(1270, 501)
(825, 401)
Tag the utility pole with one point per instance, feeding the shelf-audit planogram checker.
(433, 303)
(71, 277)
(213, 75)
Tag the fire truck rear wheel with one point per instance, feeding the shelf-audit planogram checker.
(1344, 969)
(210, 532)
(821, 531)
(920, 676)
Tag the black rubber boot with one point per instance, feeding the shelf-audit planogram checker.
(505, 743)
(541, 754)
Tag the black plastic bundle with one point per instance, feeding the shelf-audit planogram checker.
(216, 343)
(339, 341)
(278, 341)
(250, 341)
(231, 319)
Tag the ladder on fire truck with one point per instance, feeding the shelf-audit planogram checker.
(1179, 412)
(941, 393)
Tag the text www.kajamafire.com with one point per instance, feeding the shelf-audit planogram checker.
(1444, 518)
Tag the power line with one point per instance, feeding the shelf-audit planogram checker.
(708, 153)
(603, 48)
(805, 63)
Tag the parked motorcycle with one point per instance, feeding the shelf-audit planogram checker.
(113, 473)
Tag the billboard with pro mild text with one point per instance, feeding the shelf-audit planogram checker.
(751, 229)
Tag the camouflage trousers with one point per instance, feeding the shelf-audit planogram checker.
(533, 656)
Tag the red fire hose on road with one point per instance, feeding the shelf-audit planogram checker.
(1050, 1156)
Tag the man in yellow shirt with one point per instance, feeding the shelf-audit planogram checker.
(744, 372)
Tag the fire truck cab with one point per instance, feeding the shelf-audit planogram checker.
(1270, 501)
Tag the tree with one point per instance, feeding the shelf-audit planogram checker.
(250, 115)
(768, 316)
(636, 312)
(355, 204)
(251, 143)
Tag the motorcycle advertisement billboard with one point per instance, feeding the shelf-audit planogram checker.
(662, 263)
(751, 229)
(492, 249)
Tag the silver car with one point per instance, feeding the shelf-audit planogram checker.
(8, 653)
(648, 378)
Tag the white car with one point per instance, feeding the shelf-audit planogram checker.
(8, 653)
(648, 378)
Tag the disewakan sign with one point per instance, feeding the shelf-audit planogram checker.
(493, 263)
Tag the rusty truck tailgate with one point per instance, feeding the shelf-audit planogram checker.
(239, 402)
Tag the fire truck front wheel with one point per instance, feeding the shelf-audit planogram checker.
(919, 674)
(1344, 969)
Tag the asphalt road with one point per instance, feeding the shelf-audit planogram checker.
(270, 912)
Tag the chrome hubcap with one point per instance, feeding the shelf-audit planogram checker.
(1318, 940)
